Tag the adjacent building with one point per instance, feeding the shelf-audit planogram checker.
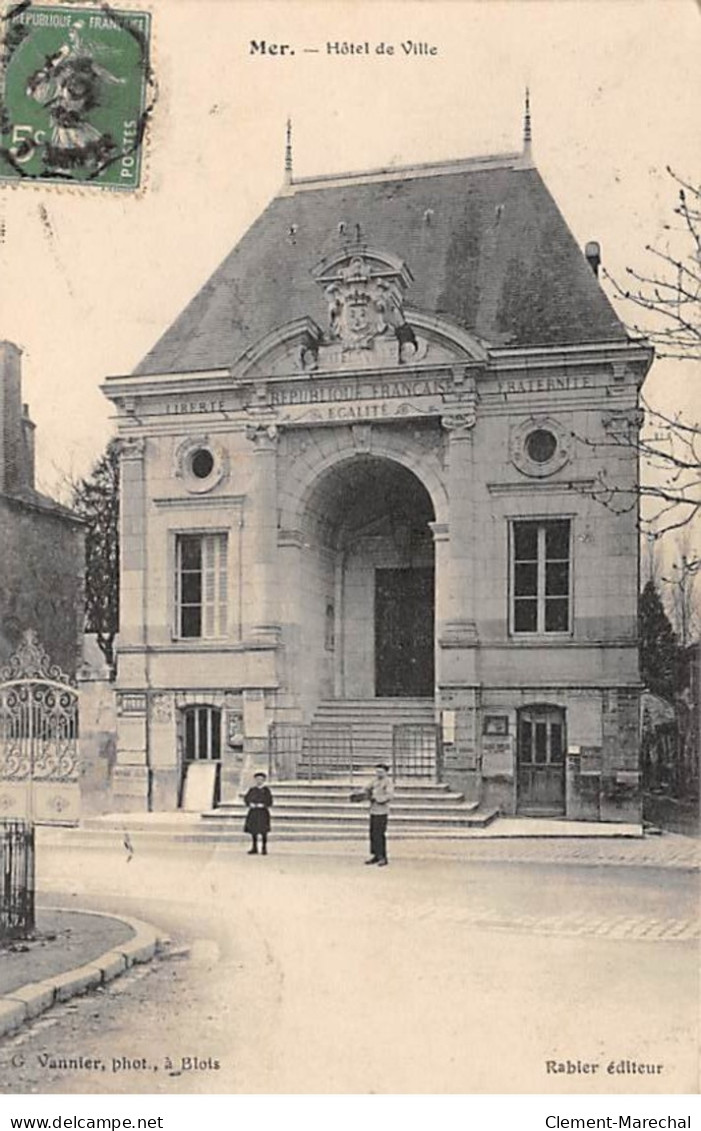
(363, 471)
(41, 541)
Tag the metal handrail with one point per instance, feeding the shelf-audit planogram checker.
(417, 751)
(315, 750)
(17, 879)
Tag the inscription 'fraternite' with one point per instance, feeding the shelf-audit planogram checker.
(546, 384)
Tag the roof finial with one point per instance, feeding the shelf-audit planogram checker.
(288, 153)
(527, 136)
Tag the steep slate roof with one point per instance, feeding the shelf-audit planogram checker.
(486, 244)
(26, 498)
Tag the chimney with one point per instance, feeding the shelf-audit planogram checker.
(28, 429)
(592, 252)
(12, 463)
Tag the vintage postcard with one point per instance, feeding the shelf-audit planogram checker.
(350, 600)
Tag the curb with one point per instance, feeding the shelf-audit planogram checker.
(29, 1001)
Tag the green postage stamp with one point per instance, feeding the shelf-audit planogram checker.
(77, 92)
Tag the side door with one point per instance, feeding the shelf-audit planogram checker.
(541, 760)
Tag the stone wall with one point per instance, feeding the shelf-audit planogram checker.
(41, 581)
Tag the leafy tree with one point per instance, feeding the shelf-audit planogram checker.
(96, 500)
(658, 645)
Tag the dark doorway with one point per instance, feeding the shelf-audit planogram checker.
(404, 635)
(541, 761)
(201, 745)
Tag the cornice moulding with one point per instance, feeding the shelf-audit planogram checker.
(200, 501)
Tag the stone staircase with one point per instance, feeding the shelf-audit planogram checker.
(371, 723)
(319, 810)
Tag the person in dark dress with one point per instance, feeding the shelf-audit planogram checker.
(259, 800)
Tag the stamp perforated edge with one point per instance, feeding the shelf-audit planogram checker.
(152, 95)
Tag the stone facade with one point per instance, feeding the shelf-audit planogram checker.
(373, 500)
(38, 590)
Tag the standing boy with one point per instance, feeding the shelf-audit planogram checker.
(379, 794)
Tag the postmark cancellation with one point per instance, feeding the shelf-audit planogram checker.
(77, 94)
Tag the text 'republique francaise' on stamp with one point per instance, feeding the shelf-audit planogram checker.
(77, 94)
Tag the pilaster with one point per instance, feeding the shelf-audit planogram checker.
(457, 622)
(132, 628)
(261, 521)
(131, 778)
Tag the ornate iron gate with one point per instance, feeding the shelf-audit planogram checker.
(38, 739)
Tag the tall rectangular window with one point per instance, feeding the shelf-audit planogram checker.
(201, 585)
(540, 576)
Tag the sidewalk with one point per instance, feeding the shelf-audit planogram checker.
(71, 952)
(63, 940)
(178, 824)
(508, 839)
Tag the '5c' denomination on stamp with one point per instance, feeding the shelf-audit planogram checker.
(76, 94)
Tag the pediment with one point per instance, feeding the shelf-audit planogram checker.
(280, 352)
(369, 325)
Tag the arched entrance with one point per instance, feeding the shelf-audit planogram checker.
(367, 615)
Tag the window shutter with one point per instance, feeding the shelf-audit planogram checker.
(223, 578)
(177, 614)
(214, 588)
(209, 584)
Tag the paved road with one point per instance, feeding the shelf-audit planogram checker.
(312, 973)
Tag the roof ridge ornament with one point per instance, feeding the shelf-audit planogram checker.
(288, 152)
(527, 131)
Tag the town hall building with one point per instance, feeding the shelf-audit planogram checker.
(368, 474)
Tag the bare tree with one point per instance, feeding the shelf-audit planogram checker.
(683, 599)
(667, 304)
(671, 293)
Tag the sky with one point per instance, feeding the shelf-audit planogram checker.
(90, 279)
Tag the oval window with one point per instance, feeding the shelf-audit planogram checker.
(202, 463)
(541, 445)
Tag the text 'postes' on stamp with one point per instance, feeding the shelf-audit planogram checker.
(76, 95)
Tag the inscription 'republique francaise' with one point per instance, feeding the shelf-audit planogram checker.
(358, 391)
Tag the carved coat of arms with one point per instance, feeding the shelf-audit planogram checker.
(361, 306)
(364, 290)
